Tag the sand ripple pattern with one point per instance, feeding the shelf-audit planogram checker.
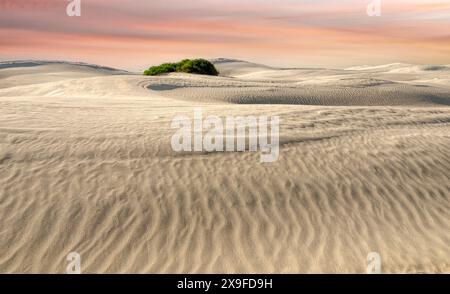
(86, 166)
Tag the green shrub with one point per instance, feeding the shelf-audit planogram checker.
(195, 66)
(161, 69)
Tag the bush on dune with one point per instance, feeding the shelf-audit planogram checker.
(197, 66)
(194, 66)
(161, 69)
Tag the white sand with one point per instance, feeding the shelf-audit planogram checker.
(86, 165)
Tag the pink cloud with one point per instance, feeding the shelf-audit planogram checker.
(9, 5)
(337, 32)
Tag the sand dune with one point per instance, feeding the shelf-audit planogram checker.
(248, 83)
(331, 92)
(86, 166)
(20, 73)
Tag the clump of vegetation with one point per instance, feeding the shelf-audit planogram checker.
(161, 69)
(194, 66)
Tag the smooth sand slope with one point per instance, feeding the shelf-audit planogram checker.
(86, 165)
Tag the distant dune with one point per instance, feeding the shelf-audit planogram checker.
(20, 73)
(249, 83)
(86, 166)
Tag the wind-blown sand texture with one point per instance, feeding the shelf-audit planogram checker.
(86, 165)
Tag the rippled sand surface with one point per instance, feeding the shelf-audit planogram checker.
(86, 165)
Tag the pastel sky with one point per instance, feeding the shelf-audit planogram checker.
(134, 34)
